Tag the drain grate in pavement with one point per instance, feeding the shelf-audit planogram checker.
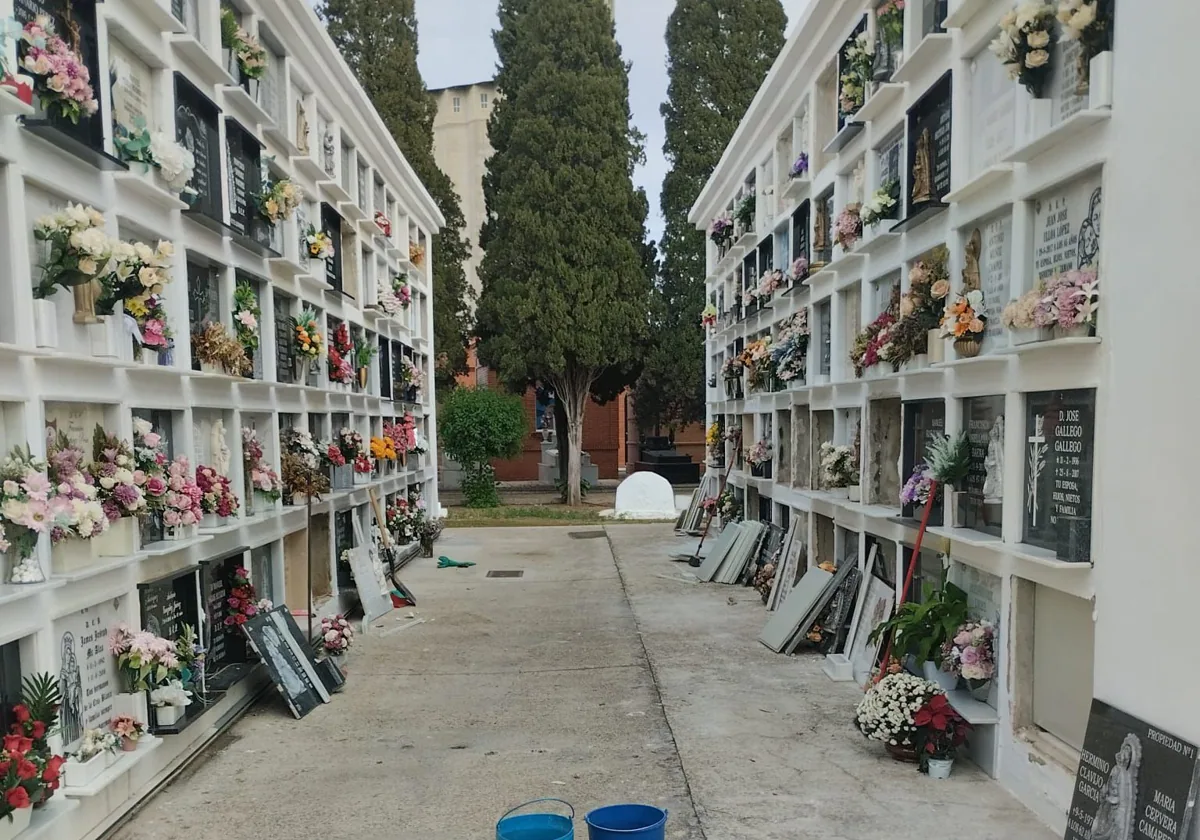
(506, 573)
(586, 535)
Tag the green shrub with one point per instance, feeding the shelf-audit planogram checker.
(476, 425)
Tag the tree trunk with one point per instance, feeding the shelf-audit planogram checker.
(573, 392)
(560, 438)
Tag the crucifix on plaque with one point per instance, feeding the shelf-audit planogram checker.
(1037, 463)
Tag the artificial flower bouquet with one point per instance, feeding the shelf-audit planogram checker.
(402, 519)
(759, 454)
(341, 356)
(135, 273)
(309, 341)
(1068, 300)
(62, 80)
(300, 442)
(336, 635)
(333, 456)
(144, 659)
(416, 254)
(169, 701)
(970, 653)
(798, 271)
(848, 227)
(412, 376)
(915, 491)
(129, 730)
(757, 360)
(25, 494)
(279, 200)
(383, 448)
(743, 213)
(771, 280)
(150, 459)
(720, 231)
(858, 61)
(1085, 21)
(881, 204)
(150, 314)
(217, 497)
(728, 506)
(889, 18)
(119, 484)
(789, 353)
(362, 466)
(838, 466)
(261, 476)
(869, 345)
(402, 290)
(90, 758)
(181, 505)
(138, 144)
(242, 600)
(963, 318)
(215, 347)
(799, 166)
(80, 249)
(74, 508)
(246, 314)
(317, 244)
(1023, 45)
(888, 710)
(383, 222)
(27, 774)
(249, 53)
(708, 316)
(350, 443)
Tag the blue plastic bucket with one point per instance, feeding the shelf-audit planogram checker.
(536, 826)
(627, 822)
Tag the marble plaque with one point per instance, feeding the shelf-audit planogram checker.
(87, 672)
(196, 129)
(889, 162)
(995, 270)
(983, 421)
(800, 232)
(992, 113)
(1066, 227)
(881, 294)
(77, 420)
(983, 591)
(1064, 77)
(924, 422)
(929, 140)
(825, 326)
(132, 87)
(1059, 433)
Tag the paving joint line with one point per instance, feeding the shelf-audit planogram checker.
(687, 784)
(498, 673)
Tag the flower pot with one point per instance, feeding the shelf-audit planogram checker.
(958, 509)
(301, 368)
(981, 690)
(361, 479)
(149, 358)
(426, 548)
(167, 715)
(205, 367)
(362, 377)
(902, 752)
(129, 745)
(945, 680)
(968, 348)
(20, 822)
(758, 470)
(120, 540)
(936, 347)
(79, 773)
(45, 324)
(939, 768)
(1077, 331)
(210, 520)
(838, 492)
(71, 555)
(172, 533)
(854, 493)
(341, 478)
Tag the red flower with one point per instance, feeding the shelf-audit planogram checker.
(16, 745)
(4, 765)
(18, 797)
(26, 769)
(39, 730)
(21, 713)
(936, 713)
(53, 769)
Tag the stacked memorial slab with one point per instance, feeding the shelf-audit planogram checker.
(241, 166)
(944, 183)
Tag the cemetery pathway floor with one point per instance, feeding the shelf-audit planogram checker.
(597, 677)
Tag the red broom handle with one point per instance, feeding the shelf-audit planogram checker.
(912, 567)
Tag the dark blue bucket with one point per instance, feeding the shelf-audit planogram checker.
(536, 826)
(627, 822)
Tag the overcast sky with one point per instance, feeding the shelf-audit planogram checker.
(456, 49)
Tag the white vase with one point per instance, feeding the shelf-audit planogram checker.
(109, 338)
(361, 479)
(167, 715)
(854, 493)
(1031, 336)
(1077, 331)
(120, 540)
(45, 324)
(936, 347)
(945, 680)
(174, 533)
(79, 773)
(149, 358)
(205, 367)
(839, 492)
(939, 768)
(210, 520)
(19, 822)
(71, 555)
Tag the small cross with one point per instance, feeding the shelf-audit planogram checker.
(1036, 465)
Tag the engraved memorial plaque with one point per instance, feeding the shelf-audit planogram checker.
(1066, 227)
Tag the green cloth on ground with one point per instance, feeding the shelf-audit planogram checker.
(445, 562)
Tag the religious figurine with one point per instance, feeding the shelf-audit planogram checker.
(860, 175)
(970, 272)
(301, 128)
(85, 302)
(922, 170)
(993, 464)
(1116, 814)
(327, 149)
(820, 245)
(220, 449)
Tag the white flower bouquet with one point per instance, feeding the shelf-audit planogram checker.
(1023, 45)
(886, 712)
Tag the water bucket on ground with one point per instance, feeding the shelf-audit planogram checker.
(536, 826)
(627, 822)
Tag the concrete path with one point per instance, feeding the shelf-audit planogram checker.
(593, 681)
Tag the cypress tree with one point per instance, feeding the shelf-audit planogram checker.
(378, 40)
(718, 53)
(565, 281)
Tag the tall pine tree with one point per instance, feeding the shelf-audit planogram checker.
(565, 267)
(718, 53)
(378, 40)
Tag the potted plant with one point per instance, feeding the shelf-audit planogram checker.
(128, 730)
(364, 352)
(169, 701)
(970, 653)
(941, 730)
(921, 630)
(336, 637)
(123, 500)
(949, 463)
(427, 531)
(838, 468)
(887, 712)
(78, 516)
(759, 456)
(90, 758)
(964, 322)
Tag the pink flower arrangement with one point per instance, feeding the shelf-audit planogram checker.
(403, 292)
(362, 464)
(217, 495)
(182, 499)
(971, 652)
(145, 659)
(243, 600)
(336, 634)
(62, 80)
(350, 442)
(150, 462)
(25, 493)
(263, 478)
(74, 507)
(334, 457)
(848, 227)
(119, 484)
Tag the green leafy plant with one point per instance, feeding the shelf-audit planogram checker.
(475, 426)
(133, 144)
(246, 315)
(922, 629)
(364, 352)
(229, 28)
(41, 697)
(744, 213)
(950, 459)
(561, 487)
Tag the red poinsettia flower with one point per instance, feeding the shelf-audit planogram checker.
(934, 713)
